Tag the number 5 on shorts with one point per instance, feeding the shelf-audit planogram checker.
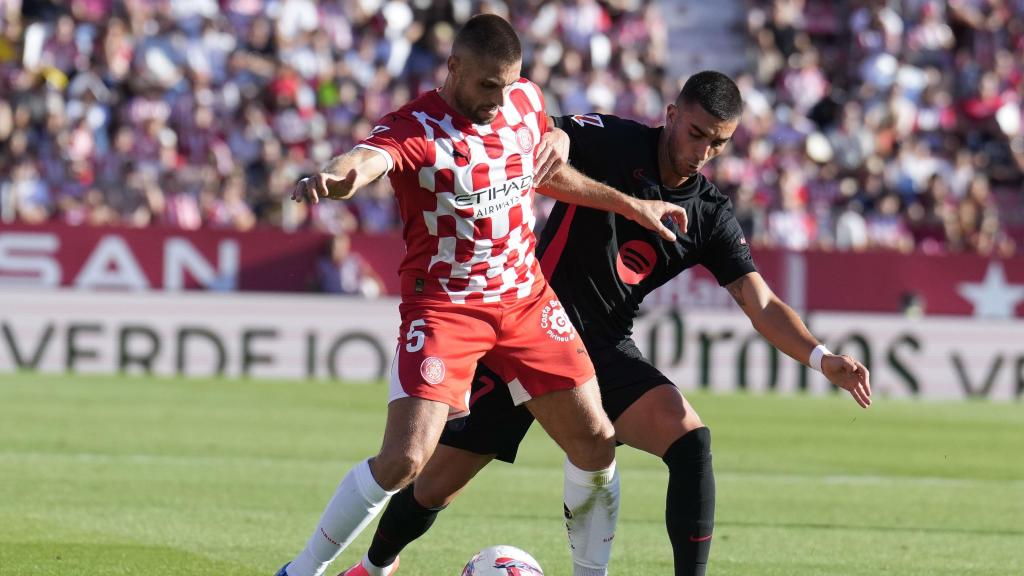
(415, 336)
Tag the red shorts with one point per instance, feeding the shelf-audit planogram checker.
(440, 343)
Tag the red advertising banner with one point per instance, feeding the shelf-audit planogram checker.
(50, 256)
(960, 284)
(274, 260)
(383, 253)
(885, 282)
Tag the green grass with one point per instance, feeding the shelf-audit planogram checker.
(104, 476)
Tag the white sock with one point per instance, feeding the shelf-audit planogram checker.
(374, 570)
(356, 502)
(591, 512)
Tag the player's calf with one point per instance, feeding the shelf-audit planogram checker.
(591, 513)
(690, 501)
(403, 521)
(577, 422)
(357, 500)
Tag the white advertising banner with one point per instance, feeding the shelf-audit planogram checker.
(198, 334)
(324, 337)
(939, 357)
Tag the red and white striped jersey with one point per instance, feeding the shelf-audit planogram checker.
(465, 192)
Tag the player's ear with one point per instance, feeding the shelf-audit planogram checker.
(453, 65)
(670, 114)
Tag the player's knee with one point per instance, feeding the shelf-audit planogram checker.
(394, 471)
(594, 450)
(702, 440)
(693, 446)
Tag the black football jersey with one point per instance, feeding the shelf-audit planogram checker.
(601, 264)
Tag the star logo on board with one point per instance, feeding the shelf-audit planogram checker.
(993, 297)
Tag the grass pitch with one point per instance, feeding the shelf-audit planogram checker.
(146, 476)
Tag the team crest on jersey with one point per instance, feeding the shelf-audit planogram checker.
(378, 129)
(432, 369)
(588, 119)
(525, 139)
(555, 322)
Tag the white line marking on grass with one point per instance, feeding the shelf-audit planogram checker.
(234, 459)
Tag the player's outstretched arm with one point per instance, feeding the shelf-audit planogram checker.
(342, 176)
(573, 187)
(781, 326)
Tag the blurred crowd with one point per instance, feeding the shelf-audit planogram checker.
(869, 123)
(203, 113)
(882, 124)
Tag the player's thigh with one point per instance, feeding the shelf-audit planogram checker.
(410, 437)
(446, 474)
(555, 378)
(540, 349)
(658, 418)
(439, 346)
(495, 426)
(575, 412)
(493, 429)
(576, 421)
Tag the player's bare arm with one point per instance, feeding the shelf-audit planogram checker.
(573, 187)
(784, 329)
(342, 176)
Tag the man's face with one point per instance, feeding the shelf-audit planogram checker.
(695, 137)
(479, 85)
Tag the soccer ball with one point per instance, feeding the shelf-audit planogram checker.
(502, 561)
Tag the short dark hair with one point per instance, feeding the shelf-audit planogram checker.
(489, 36)
(715, 92)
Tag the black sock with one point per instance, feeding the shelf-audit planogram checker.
(690, 503)
(403, 521)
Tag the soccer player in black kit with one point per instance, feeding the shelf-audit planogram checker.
(602, 266)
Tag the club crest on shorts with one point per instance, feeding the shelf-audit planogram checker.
(432, 370)
(525, 139)
(555, 322)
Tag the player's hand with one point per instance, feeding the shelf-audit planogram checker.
(651, 213)
(849, 375)
(324, 185)
(552, 154)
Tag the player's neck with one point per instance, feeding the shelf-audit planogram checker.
(666, 174)
(445, 92)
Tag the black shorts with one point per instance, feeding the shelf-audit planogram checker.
(497, 426)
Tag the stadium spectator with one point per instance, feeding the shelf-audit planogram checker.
(851, 228)
(341, 271)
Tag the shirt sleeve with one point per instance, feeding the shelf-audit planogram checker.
(727, 255)
(400, 140)
(542, 114)
(584, 135)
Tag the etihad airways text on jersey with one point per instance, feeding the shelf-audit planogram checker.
(497, 198)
